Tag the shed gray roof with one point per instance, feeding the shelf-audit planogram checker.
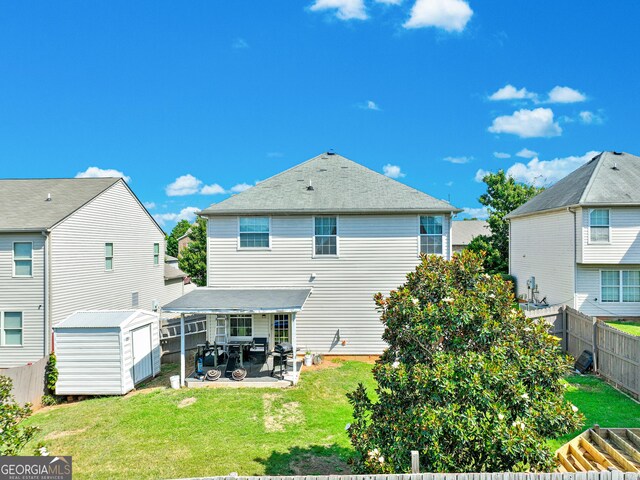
(339, 185)
(610, 178)
(101, 318)
(240, 300)
(462, 232)
(24, 205)
(171, 272)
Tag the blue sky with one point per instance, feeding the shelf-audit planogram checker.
(193, 101)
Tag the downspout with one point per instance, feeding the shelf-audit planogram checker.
(575, 256)
(450, 239)
(48, 332)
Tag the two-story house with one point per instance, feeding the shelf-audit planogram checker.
(578, 242)
(298, 257)
(68, 245)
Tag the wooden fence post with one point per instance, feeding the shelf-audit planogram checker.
(415, 461)
(595, 344)
(565, 328)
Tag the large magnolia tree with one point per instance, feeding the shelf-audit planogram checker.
(467, 379)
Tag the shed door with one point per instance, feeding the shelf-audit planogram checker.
(141, 345)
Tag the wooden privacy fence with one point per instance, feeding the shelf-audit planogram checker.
(616, 354)
(28, 382)
(613, 475)
(195, 332)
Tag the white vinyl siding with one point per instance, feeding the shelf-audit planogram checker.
(325, 239)
(79, 280)
(623, 247)
(24, 295)
(589, 292)
(254, 232)
(543, 246)
(23, 259)
(431, 233)
(376, 253)
(599, 225)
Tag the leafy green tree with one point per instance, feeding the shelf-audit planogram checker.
(467, 380)
(503, 196)
(13, 437)
(193, 258)
(172, 239)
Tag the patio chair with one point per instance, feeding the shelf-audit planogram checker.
(261, 343)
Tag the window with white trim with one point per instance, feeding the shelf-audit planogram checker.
(11, 328)
(431, 234)
(620, 286)
(325, 237)
(254, 232)
(156, 254)
(108, 256)
(241, 325)
(23, 259)
(599, 227)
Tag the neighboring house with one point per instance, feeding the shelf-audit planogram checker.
(184, 241)
(298, 257)
(68, 245)
(580, 239)
(176, 282)
(462, 232)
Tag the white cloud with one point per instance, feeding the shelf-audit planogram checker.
(95, 172)
(565, 95)
(240, 44)
(449, 184)
(546, 172)
(187, 213)
(480, 175)
(450, 15)
(509, 92)
(149, 205)
(590, 118)
(392, 171)
(481, 213)
(528, 124)
(183, 185)
(240, 187)
(501, 155)
(213, 189)
(370, 105)
(526, 153)
(389, 2)
(345, 9)
(458, 160)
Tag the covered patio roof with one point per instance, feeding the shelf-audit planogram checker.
(219, 300)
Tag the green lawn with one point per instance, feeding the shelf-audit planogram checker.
(253, 432)
(630, 327)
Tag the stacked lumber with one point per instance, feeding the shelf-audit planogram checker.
(601, 449)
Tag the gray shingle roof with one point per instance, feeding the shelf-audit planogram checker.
(608, 179)
(24, 205)
(240, 300)
(101, 319)
(339, 186)
(462, 232)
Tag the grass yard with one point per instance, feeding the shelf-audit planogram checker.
(164, 433)
(629, 327)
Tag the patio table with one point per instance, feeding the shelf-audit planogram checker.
(241, 344)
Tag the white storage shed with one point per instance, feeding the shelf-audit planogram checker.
(106, 352)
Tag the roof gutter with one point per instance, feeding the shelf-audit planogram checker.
(25, 230)
(234, 213)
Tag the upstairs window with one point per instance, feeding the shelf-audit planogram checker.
(599, 225)
(11, 328)
(254, 232)
(326, 236)
(108, 256)
(23, 259)
(431, 234)
(156, 254)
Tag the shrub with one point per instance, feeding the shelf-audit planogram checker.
(467, 380)
(13, 437)
(51, 374)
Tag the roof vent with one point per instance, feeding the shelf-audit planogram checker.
(310, 187)
(616, 153)
(615, 166)
(331, 152)
(48, 197)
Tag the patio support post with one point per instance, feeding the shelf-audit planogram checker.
(182, 355)
(294, 344)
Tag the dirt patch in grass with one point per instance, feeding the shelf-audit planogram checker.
(319, 465)
(186, 402)
(56, 435)
(277, 415)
